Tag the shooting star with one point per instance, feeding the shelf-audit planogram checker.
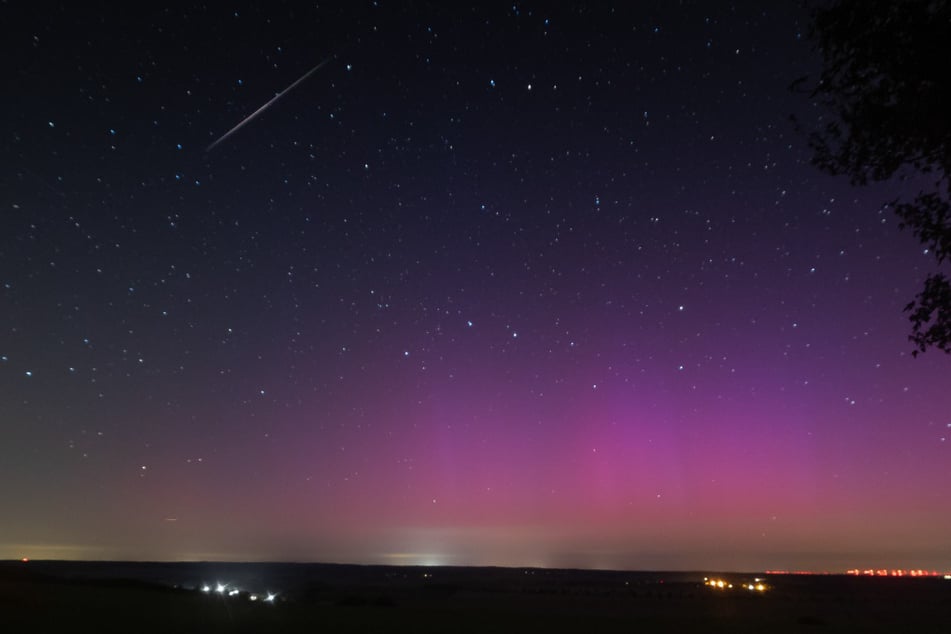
(251, 116)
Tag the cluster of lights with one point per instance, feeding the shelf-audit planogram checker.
(756, 585)
(883, 572)
(224, 590)
(717, 583)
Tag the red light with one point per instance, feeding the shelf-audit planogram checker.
(25, 559)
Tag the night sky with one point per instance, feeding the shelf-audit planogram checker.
(508, 284)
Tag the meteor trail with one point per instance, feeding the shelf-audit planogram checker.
(251, 116)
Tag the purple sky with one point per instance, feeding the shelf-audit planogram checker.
(504, 285)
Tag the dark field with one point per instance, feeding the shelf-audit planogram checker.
(136, 598)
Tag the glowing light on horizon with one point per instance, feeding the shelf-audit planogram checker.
(756, 585)
(894, 572)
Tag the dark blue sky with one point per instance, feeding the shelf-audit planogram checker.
(505, 284)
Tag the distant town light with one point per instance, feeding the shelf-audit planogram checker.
(720, 584)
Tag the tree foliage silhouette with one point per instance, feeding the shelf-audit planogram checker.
(886, 79)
